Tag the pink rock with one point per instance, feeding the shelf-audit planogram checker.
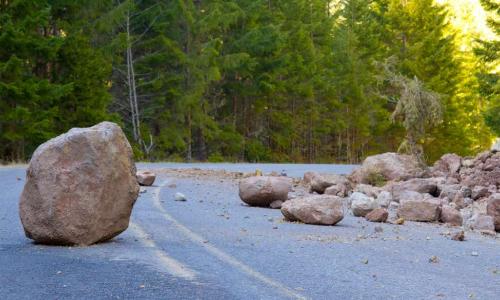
(317, 209)
(419, 210)
(263, 190)
(146, 178)
(80, 187)
(377, 215)
(451, 216)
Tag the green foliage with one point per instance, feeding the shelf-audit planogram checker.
(246, 80)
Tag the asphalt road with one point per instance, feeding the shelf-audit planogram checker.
(213, 247)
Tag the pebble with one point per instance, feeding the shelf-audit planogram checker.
(434, 259)
(474, 253)
(180, 197)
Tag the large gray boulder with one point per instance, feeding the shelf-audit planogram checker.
(316, 209)
(80, 188)
(386, 167)
(264, 190)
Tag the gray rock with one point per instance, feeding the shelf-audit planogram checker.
(384, 199)
(361, 204)
(180, 197)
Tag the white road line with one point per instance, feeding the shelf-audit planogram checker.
(221, 254)
(171, 265)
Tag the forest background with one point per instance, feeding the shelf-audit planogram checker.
(253, 80)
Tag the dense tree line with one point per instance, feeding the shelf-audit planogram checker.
(248, 80)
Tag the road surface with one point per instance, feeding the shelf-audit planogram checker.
(213, 247)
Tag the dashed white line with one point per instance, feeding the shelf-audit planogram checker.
(221, 254)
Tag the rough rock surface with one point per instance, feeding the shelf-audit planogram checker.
(451, 216)
(483, 171)
(419, 185)
(448, 165)
(317, 209)
(263, 190)
(493, 209)
(387, 166)
(361, 204)
(384, 199)
(80, 188)
(146, 178)
(482, 223)
(320, 182)
(377, 215)
(427, 210)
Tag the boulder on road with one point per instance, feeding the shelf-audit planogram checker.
(361, 204)
(387, 167)
(426, 210)
(316, 209)
(377, 215)
(146, 178)
(264, 190)
(80, 188)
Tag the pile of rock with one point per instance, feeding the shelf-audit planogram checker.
(392, 187)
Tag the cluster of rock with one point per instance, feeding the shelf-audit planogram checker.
(393, 187)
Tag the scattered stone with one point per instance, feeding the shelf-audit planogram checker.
(459, 236)
(474, 253)
(399, 221)
(361, 204)
(80, 187)
(451, 216)
(379, 168)
(317, 209)
(276, 204)
(427, 210)
(365, 261)
(433, 259)
(378, 229)
(308, 176)
(146, 178)
(264, 190)
(180, 197)
(377, 215)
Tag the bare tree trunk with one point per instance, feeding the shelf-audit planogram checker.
(130, 78)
